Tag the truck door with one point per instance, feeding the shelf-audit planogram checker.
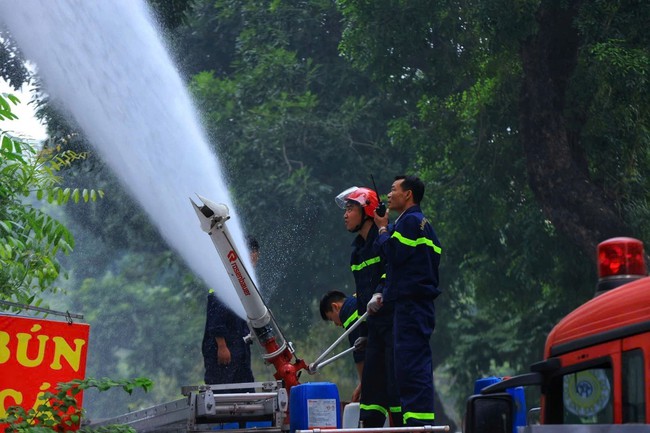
(602, 384)
(583, 391)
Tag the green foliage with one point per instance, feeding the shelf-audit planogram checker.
(5, 107)
(29, 242)
(12, 67)
(507, 273)
(59, 411)
(153, 328)
(30, 239)
(305, 98)
(609, 104)
(170, 12)
(293, 124)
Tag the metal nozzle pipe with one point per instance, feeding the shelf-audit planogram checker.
(313, 367)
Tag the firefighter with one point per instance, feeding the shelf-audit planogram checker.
(379, 398)
(341, 310)
(226, 356)
(412, 251)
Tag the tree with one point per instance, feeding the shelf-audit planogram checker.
(12, 66)
(152, 328)
(30, 238)
(571, 43)
(528, 122)
(294, 125)
(516, 102)
(544, 62)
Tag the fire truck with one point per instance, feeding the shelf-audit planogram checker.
(277, 406)
(595, 375)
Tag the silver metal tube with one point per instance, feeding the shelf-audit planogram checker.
(314, 365)
(333, 358)
(238, 408)
(243, 397)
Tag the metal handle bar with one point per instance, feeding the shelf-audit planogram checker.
(313, 367)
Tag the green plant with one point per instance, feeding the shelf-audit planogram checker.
(59, 411)
(30, 239)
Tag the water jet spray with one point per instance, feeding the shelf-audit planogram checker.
(106, 64)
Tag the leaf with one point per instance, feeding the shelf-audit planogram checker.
(6, 226)
(13, 98)
(7, 144)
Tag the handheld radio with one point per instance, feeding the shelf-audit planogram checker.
(381, 209)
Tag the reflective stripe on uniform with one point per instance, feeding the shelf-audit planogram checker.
(374, 407)
(422, 416)
(365, 263)
(354, 316)
(395, 409)
(416, 242)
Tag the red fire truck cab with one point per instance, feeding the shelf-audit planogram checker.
(596, 367)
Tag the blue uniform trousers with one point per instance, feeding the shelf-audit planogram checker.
(413, 324)
(379, 397)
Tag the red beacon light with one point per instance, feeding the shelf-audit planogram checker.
(620, 261)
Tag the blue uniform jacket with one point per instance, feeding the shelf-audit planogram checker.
(221, 321)
(367, 267)
(349, 315)
(412, 251)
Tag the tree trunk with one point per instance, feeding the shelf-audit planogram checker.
(556, 164)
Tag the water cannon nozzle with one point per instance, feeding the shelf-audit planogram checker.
(210, 213)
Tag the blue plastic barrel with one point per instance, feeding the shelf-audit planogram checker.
(314, 405)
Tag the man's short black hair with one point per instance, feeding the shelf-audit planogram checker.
(328, 299)
(252, 243)
(413, 184)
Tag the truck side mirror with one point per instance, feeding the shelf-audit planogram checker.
(492, 413)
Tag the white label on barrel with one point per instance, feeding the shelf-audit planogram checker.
(321, 413)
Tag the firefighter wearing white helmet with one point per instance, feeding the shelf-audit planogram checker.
(379, 398)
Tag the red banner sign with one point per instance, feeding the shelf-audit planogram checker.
(37, 354)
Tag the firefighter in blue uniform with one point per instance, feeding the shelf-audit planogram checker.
(226, 356)
(379, 398)
(412, 251)
(340, 309)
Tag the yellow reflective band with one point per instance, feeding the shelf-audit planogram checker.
(424, 416)
(416, 242)
(373, 407)
(395, 409)
(365, 263)
(354, 316)
(383, 277)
